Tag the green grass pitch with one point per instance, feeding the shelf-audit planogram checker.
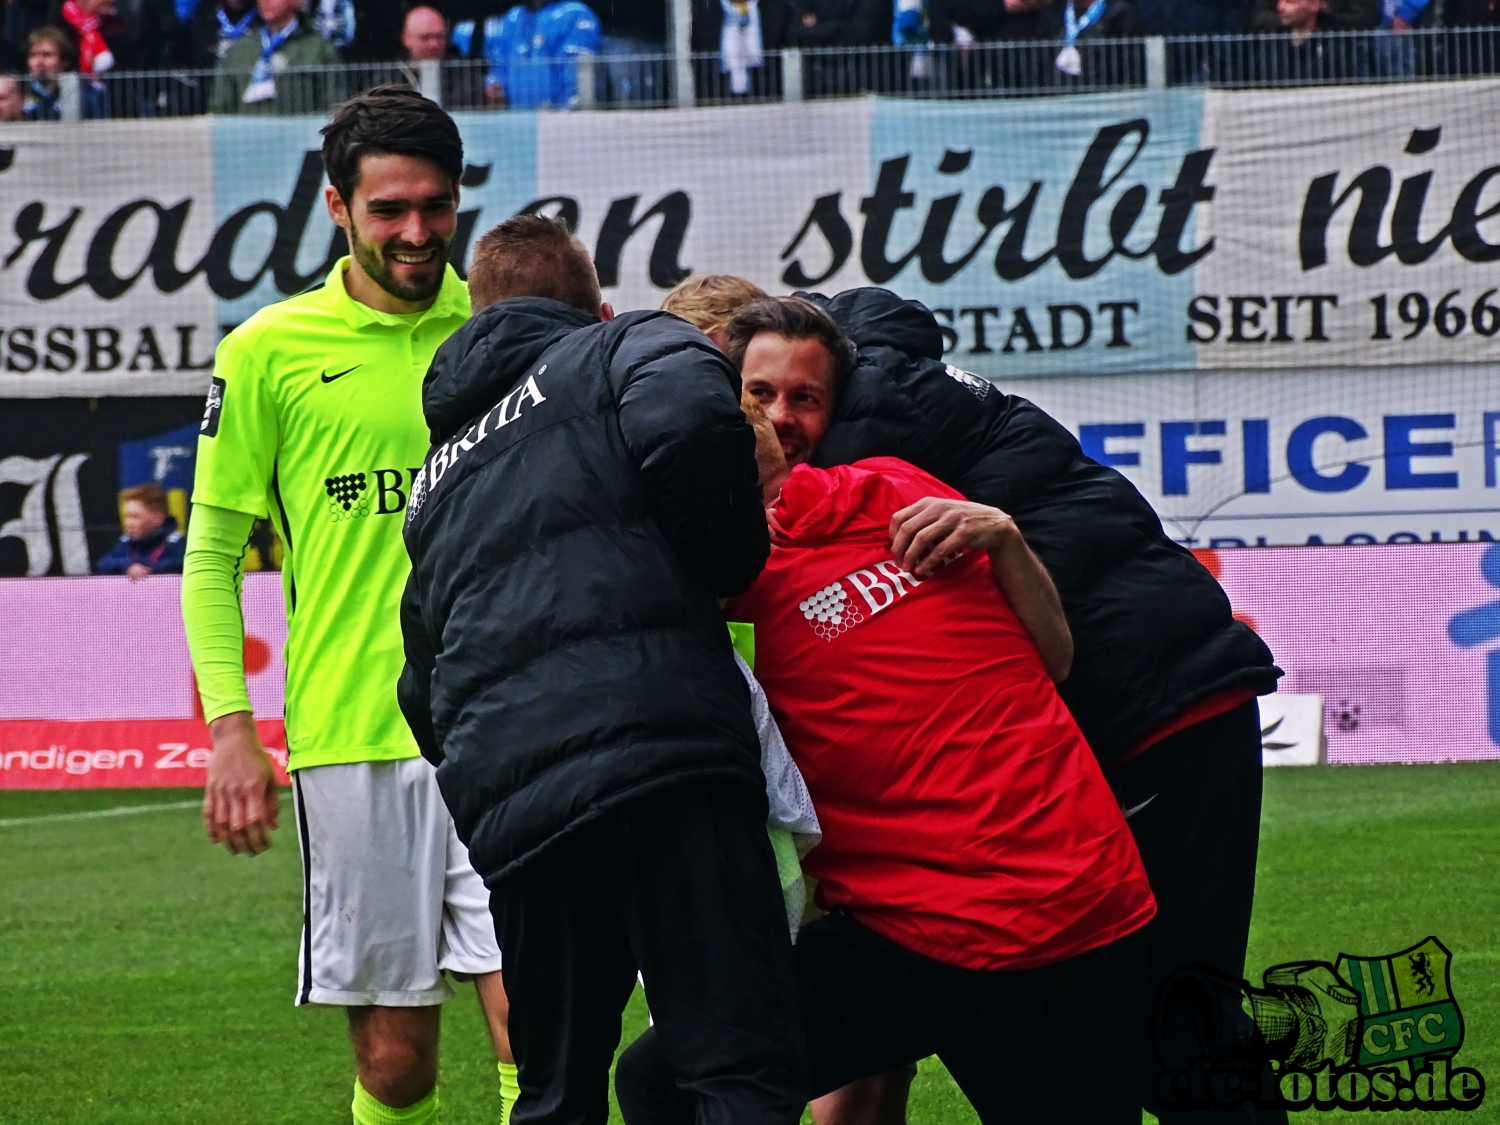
(146, 977)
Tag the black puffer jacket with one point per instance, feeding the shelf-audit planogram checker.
(591, 491)
(1152, 630)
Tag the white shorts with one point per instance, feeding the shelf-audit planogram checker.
(389, 900)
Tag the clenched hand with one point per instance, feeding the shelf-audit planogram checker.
(240, 801)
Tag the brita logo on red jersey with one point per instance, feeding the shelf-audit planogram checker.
(832, 610)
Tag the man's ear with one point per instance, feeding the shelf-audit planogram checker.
(336, 209)
(606, 311)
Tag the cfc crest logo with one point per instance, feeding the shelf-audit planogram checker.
(1376, 1033)
(1406, 1009)
(833, 610)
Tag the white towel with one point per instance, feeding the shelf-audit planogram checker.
(791, 805)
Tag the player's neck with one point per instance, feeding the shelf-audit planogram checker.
(362, 288)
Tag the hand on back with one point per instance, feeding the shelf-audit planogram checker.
(934, 530)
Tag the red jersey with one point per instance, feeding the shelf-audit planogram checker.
(964, 817)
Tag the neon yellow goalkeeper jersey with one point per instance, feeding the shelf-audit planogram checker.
(315, 419)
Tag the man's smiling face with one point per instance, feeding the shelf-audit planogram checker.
(401, 224)
(793, 381)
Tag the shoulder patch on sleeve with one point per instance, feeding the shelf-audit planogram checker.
(979, 386)
(212, 408)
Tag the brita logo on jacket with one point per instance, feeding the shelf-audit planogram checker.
(831, 610)
(445, 456)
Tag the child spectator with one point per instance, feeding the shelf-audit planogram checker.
(49, 53)
(151, 543)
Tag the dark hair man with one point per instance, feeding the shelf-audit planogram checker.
(1164, 678)
(982, 883)
(314, 417)
(151, 544)
(592, 490)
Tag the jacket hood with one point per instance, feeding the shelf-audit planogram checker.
(820, 504)
(877, 318)
(480, 363)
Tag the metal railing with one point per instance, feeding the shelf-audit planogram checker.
(980, 70)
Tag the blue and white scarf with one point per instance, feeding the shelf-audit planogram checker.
(229, 31)
(1069, 61)
(739, 43)
(263, 78)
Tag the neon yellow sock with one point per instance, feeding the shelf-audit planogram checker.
(369, 1111)
(510, 1090)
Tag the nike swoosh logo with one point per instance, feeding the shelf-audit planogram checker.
(1139, 807)
(327, 378)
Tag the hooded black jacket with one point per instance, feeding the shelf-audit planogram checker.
(1152, 631)
(592, 489)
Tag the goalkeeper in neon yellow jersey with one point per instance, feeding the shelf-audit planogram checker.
(314, 419)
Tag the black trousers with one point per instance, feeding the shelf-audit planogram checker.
(1198, 837)
(1044, 1046)
(680, 884)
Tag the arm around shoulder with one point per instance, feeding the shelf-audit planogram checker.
(926, 534)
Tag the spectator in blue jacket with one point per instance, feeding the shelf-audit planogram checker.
(533, 50)
(151, 543)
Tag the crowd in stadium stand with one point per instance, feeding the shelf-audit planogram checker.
(524, 54)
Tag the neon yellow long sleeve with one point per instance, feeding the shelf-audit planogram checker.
(212, 574)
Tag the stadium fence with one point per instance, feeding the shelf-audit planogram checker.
(977, 70)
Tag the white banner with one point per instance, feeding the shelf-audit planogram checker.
(1142, 231)
(1351, 226)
